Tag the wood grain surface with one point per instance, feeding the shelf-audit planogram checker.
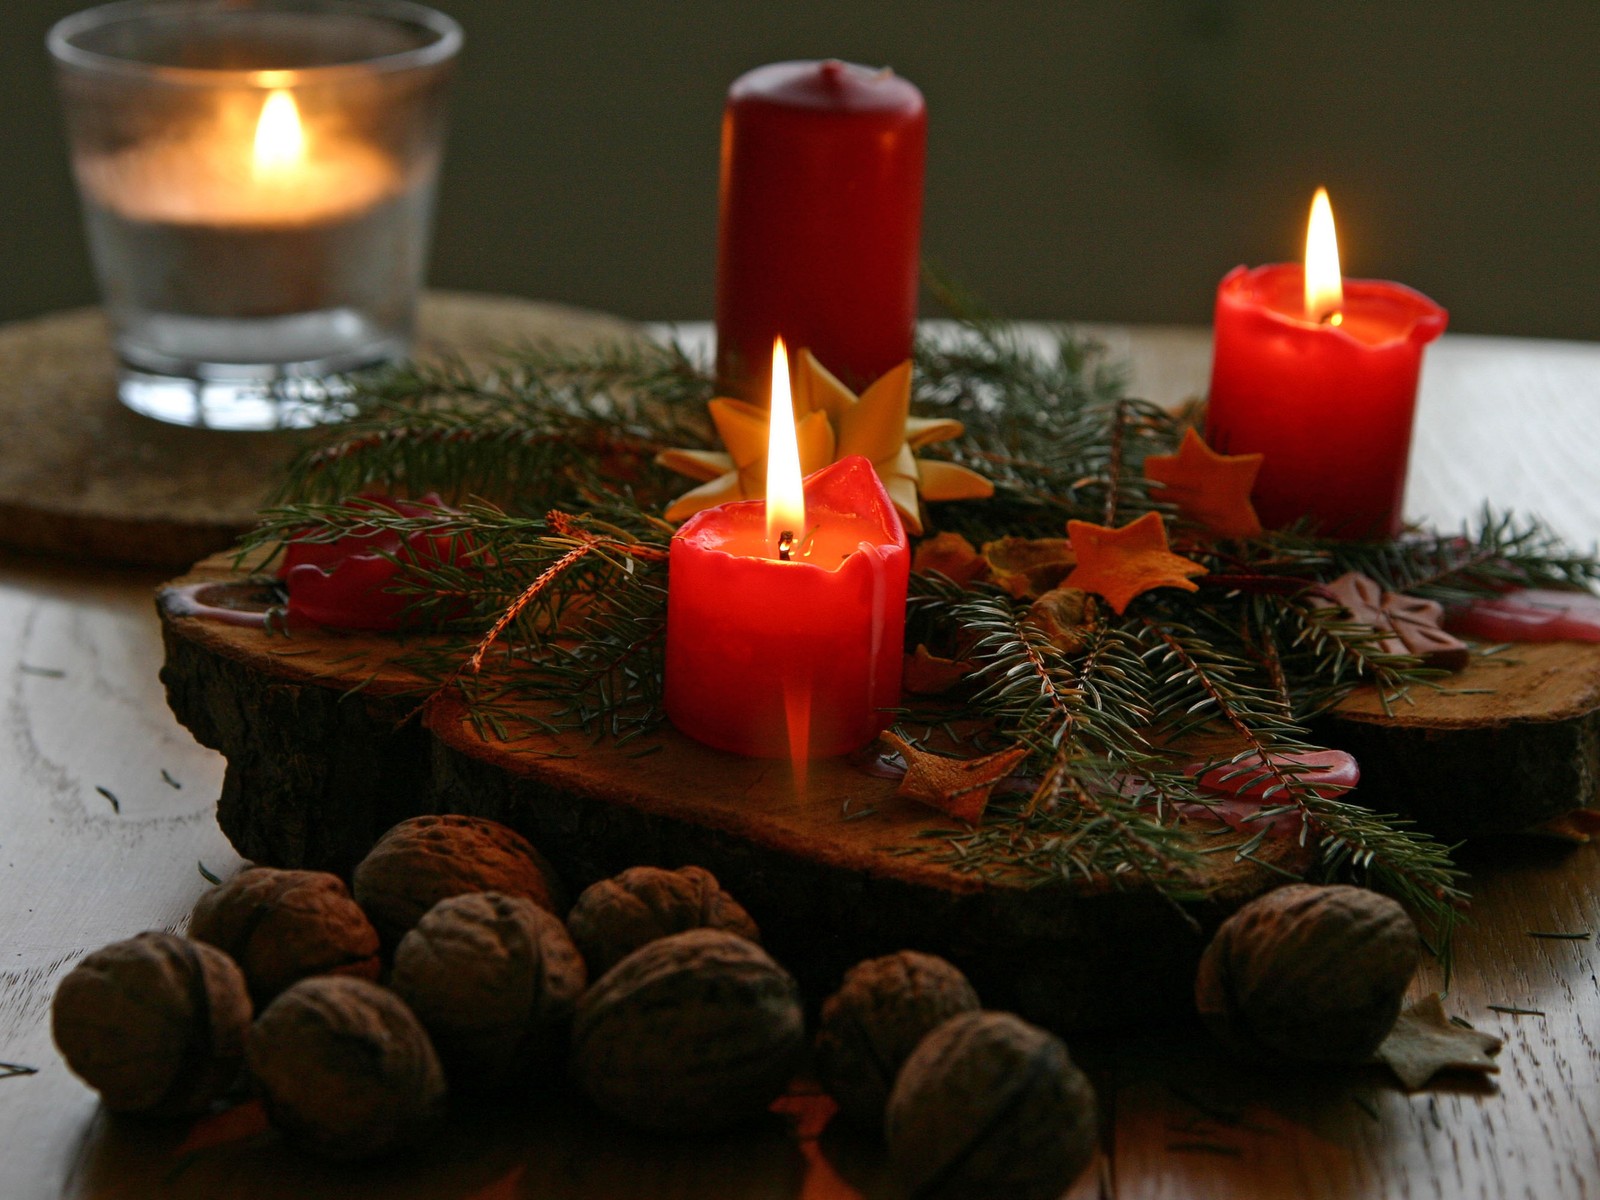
(82, 716)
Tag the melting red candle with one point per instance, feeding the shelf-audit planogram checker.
(821, 201)
(786, 617)
(1319, 375)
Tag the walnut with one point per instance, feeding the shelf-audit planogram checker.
(155, 1024)
(614, 917)
(693, 1032)
(988, 1105)
(1304, 972)
(494, 980)
(874, 1021)
(423, 860)
(281, 926)
(345, 1069)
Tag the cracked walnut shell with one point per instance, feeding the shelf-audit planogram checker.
(346, 1071)
(494, 979)
(613, 918)
(156, 1024)
(870, 1026)
(424, 860)
(694, 1032)
(282, 926)
(990, 1106)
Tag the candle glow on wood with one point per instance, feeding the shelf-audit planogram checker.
(1324, 286)
(786, 498)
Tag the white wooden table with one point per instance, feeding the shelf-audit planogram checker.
(106, 810)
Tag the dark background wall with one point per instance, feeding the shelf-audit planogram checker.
(1103, 160)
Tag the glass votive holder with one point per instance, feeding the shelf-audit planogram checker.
(257, 180)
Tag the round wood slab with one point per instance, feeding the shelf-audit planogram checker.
(1511, 742)
(86, 478)
(316, 772)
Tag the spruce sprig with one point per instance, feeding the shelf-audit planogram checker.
(553, 447)
(1203, 686)
(547, 427)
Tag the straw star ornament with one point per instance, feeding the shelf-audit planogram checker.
(831, 422)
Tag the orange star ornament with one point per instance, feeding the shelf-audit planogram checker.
(1120, 564)
(1210, 489)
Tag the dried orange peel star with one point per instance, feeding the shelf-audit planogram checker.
(1210, 489)
(1120, 564)
(959, 787)
(832, 422)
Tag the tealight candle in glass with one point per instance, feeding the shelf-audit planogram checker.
(257, 179)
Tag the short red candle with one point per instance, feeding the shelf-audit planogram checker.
(821, 201)
(754, 643)
(1329, 406)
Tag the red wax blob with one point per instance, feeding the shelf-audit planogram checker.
(1529, 615)
(821, 200)
(349, 583)
(757, 647)
(1330, 406)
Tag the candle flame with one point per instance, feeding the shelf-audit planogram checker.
(1324, 287)
(786, 501)
(280, 141)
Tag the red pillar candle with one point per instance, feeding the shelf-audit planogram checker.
(1324, 388)
(821, 202)
(763, 653)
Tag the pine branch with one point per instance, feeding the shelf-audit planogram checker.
(1037, 426)
(549, 427)
(1204, 682)
(1503, 551)
(569, 611)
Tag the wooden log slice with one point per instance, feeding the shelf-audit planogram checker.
(84, 477)
(316, 771)
(1511, 742)
(321, 760)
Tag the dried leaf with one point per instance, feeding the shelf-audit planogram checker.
(1424, 1042)
(1120, 564)
(952, 556)
(1210, 489)
(237, 1124)
(507, 1187)
(1028, 567)
(927, 674)
(1579, 827)
(810, 1111)
(957, 786)
(1065, 615)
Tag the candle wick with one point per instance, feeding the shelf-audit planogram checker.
(786, 545)
(1333, 318)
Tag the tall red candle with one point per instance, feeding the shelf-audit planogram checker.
(761, 651)
(1326, 397)
(821, 220)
